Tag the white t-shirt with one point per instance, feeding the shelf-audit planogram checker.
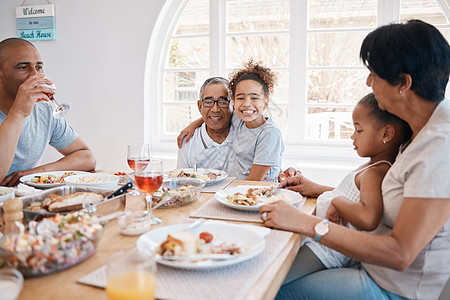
(201, 149)
(422, 170)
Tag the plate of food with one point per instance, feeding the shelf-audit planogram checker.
(49, 179)
(210, 245)
(6, 193)
(250, 198)
(210, 176)
(180, 191)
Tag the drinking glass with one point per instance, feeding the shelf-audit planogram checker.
(148, 178)
(134, 152)
(131, 275)
(59, 110)
(138, 152)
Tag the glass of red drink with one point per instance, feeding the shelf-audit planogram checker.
(59, 110)
(138, 152)
(148, 177)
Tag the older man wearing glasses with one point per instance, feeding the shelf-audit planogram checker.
(211, 145)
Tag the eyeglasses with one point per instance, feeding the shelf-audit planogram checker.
(220, 103)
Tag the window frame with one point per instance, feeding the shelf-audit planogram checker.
(296, 145)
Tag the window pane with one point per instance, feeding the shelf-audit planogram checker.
(189, 53)
(177, 117)
(335, 49)
(257, 15)
(329, 123)
(342, 13)
(271, 49)
(183, 86)
(195, 18)
(281, 89)
(337, 86)
(278, 112)
(426, 10)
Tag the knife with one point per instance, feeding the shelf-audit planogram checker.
(123, 189)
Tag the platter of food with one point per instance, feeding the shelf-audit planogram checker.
(210, 176)
(48, 180)
(250, 198)
(52, 245)
(210, 245)
(63, 199)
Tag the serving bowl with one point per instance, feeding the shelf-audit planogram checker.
(6, 193)
(93, 180)
(52, 245)
(180, 191)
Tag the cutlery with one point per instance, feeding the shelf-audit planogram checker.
(197, 257)
(195, 224)
(123, 189)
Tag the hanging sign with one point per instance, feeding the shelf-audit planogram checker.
(36, 23)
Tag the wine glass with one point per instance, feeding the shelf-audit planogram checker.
(135, 152)
(138, 152)
(59, 110)
(148, 177)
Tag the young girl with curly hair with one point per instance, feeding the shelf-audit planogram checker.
(257, 141)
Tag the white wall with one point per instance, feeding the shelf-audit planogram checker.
(97, 62)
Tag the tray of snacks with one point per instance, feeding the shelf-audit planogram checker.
(53, 244)
(181, 191)
(66, 199)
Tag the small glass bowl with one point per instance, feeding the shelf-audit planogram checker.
(173, 189)
(135, 222)
(11, 283)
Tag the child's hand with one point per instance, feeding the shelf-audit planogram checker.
(334, 216)
(188, 132)
(185, 134)
(304, 186)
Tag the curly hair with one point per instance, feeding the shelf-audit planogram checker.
(254, 71)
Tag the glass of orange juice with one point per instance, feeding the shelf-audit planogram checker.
(131, 275)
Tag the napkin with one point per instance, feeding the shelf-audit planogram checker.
(260, 230)
(25, 190)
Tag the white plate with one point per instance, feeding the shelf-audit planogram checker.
(6, 193)
(253, 242)
(221, 196)
(221, 175)
(27, 179)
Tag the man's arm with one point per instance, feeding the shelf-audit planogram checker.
(77, 156)
(9, 136)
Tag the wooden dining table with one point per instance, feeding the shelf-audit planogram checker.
(63, 285)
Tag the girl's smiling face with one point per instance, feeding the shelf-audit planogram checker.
(250, 102)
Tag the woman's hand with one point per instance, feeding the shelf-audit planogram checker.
(281, 215)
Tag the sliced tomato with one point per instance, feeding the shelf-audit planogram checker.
(206, 236)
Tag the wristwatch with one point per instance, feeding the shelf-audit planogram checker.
(321, 229)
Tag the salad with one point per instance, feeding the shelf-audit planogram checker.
(178, 196)
(53, 244)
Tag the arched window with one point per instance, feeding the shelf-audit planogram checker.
(313, 46)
